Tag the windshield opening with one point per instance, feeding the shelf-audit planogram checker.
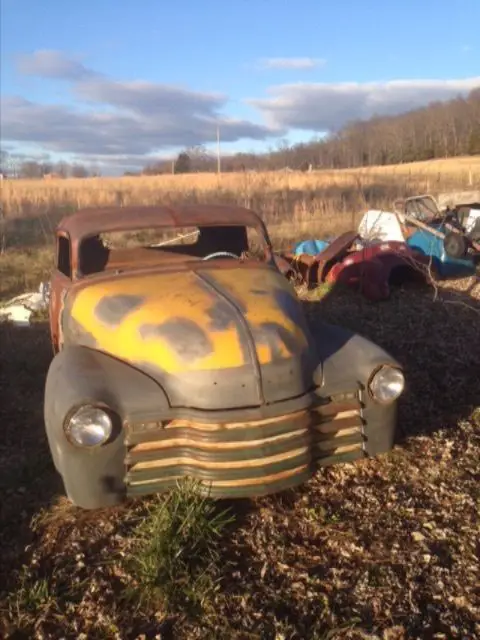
(125, 250)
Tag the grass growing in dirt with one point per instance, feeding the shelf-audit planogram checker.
(175, 556)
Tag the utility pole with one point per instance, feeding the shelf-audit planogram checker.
(218, 149)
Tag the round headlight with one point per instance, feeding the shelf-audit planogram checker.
(89, 427)
(387, 384)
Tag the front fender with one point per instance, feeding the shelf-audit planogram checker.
(348, 361)
(78, 375)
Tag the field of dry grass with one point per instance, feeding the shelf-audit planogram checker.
(323, 202)
(27, 197)
(385, 549)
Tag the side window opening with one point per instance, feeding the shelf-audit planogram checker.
(63, 261)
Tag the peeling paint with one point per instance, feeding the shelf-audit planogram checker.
(185, 337)
(222, 316)
(278, 339)
(112, 310)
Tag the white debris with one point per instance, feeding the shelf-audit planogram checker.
(472, 218)
(378, 226)
(19, 309)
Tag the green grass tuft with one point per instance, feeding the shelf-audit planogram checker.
(175, 555)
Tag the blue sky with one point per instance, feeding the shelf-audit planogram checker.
(117, 82)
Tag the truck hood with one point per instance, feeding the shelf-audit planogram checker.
(213, 338)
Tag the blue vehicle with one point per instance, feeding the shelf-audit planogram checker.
(451, 237)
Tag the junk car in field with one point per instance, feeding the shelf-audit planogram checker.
(450, 237)
(181, 350)
(349, 260)
(416, 241)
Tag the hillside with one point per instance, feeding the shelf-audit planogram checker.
(439, 130)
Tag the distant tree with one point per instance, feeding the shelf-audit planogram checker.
(62, 168)
(183, 163)
(157, 167)
(79, 171)
(201, 159)
(30, 169)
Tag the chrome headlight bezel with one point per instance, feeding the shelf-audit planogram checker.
(97, 417)
(388, 375)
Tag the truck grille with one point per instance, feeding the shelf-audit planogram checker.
(240, 459)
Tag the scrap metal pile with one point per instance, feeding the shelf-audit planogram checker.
(417, 241)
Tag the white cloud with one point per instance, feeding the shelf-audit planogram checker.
(327, 107)
(119, 122)
(291, 63)
(149, 98)
(117, 119)
(47, 63)
(129, 130)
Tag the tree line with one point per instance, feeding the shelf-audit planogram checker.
(439, 130)
(12, 167)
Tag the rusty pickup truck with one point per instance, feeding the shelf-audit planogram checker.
(180, 350)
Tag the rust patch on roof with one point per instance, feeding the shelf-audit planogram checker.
(91, 221)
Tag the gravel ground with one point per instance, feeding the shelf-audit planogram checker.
(382, 549)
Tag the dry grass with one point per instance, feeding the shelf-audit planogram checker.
(23, 197)
(317, 203)
(22, 270)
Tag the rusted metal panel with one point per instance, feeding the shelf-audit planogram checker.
(313, 269)
(369, 267)
(87, 222)
(59, 285)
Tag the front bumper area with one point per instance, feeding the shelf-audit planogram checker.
(244, 459)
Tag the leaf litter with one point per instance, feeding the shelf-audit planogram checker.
(383, 549)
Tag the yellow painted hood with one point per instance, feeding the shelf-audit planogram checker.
(193, 322)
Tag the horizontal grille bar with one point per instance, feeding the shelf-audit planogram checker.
(243, 458)
(246, 487)
(180, 467)
(228, 452)
(202, 433)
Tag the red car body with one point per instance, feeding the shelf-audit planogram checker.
(372, 269)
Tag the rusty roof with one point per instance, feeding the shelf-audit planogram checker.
(86, 222)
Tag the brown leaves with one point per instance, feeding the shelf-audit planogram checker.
(386, 549)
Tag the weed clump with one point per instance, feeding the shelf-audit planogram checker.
(175, 549)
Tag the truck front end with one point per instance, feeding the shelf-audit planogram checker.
(212, 374)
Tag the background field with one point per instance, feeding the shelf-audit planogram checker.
(295, 205)
(386, 549)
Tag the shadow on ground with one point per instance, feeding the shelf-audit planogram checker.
(434, 334)
(28, 480)
(347, 551)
